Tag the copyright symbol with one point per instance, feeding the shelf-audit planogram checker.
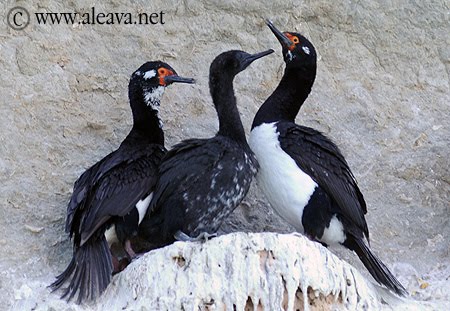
(18, 18)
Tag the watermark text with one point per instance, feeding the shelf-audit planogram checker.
(19, 18)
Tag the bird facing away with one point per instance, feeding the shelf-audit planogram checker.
(302, 173)
(115, 192)
(201, 181)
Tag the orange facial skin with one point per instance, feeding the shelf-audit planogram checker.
(294, 40)
(162, 73)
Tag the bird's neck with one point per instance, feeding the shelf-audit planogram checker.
(230, 124)
(287, 99)
(145, 108)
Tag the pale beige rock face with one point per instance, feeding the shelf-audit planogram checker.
(382, 93)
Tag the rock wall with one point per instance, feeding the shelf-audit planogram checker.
(382, 93)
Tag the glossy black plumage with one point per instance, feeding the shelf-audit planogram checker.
(322, 160)
(201, 181)
(113, 186)
(327, 204)
(108, 193)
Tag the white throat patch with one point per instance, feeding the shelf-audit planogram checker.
(152, 98)
(291, 56)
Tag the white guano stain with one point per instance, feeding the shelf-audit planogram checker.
(227, 270)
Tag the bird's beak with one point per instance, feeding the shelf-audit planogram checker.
(284, 41)
(252, 57)
(178, 79)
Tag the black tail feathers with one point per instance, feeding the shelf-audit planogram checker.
(89, 271)
(375, 266)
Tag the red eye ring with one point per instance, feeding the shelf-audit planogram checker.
(295, 40)
(162, 73)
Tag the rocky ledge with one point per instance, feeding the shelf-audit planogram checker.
(239, 271)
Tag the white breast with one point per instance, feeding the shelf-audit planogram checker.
(285, 185)
(142, 206)
(111, 235)
(334, 233)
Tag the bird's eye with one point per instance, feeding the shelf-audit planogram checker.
(294, 39)
(162, 72)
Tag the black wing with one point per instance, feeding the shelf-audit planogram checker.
(112, 187)
(321, 159)
(84, 184)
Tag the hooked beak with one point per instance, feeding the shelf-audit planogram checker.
(284, 41)
(252, 57)
(175, 78)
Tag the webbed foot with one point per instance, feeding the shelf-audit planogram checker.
(202, 237)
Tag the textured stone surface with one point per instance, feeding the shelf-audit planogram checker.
(239, 271)
(382, 93)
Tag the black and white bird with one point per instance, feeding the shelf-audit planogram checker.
(302, 173)
(109, 199)
(201, 181)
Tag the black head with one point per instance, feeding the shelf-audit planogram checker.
(158, 74)
(298, 52)
(230, 63)
(151, 79)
